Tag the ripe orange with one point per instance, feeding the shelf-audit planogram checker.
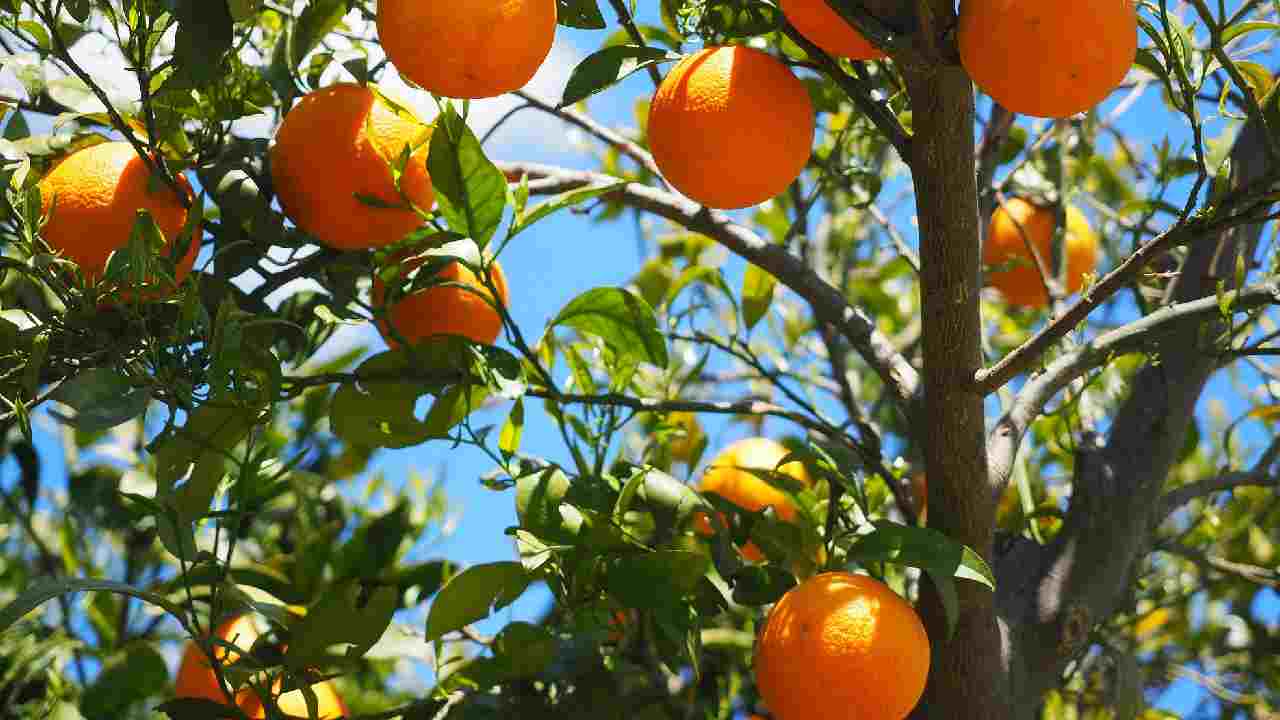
(329, 705)
(1049, 59)
(841, 646)
(340, 142)
(1020, 281)
(467, 49)
(92, 198)
(446, 309)
(731, 127)
(726, 478)
(825, 28)
(196, 678)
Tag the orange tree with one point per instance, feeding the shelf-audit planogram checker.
(181, 454)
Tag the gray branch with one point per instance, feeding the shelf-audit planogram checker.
(827, 302)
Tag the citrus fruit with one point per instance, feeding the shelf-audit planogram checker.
(730, 127)
(841, 646)
(1018, 222)
(727, 478)
(824, 27)
(196, 679)
(467, 49)
(331, 167)
(329, 705)
(448, 309)
(92, 198)
(1048, 59)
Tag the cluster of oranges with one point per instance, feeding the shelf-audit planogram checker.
(751, 120)
(826, 640)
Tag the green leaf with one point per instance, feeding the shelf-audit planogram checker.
(524, 650)
(923, 548)
(42, 590)
(621, 318)
(198, 709)
(375, 546)
(349, 613)
(659, 578)
(757, 294)
(512, 429)
(126, 678)
(205, 35)
(475, 592)
(758, 585)
(316, 21)
(582, 14)
(1232, 32)
(559, 202)
(470, 189)
(102, 399)
(605, 68)
(379, 409)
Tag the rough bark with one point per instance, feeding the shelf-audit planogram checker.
(965, 679)
(1051, 597)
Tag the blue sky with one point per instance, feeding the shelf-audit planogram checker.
(564, 256)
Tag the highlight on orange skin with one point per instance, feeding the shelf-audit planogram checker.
(91, 198)
(841, 646)
(196, 678)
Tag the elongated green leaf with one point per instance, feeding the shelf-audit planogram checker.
(45, 589)
(102, 399)
(472, 594)
(205, 34)
(923, 548)
(621, 318)
(607, 67)
(757, 294)
(582, 14)
(1234, 31)
(346, 614)
(471, 190)
(560, 202)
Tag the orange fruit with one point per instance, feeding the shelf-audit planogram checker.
(467, 49)
(445, 309)
(841, 646)
(1048, 59)
(727, 478)
(339, 143)
(92, 198)
(825, 28)
(730, 127)
(1019, 221)
(196, 678)
(329, 705)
